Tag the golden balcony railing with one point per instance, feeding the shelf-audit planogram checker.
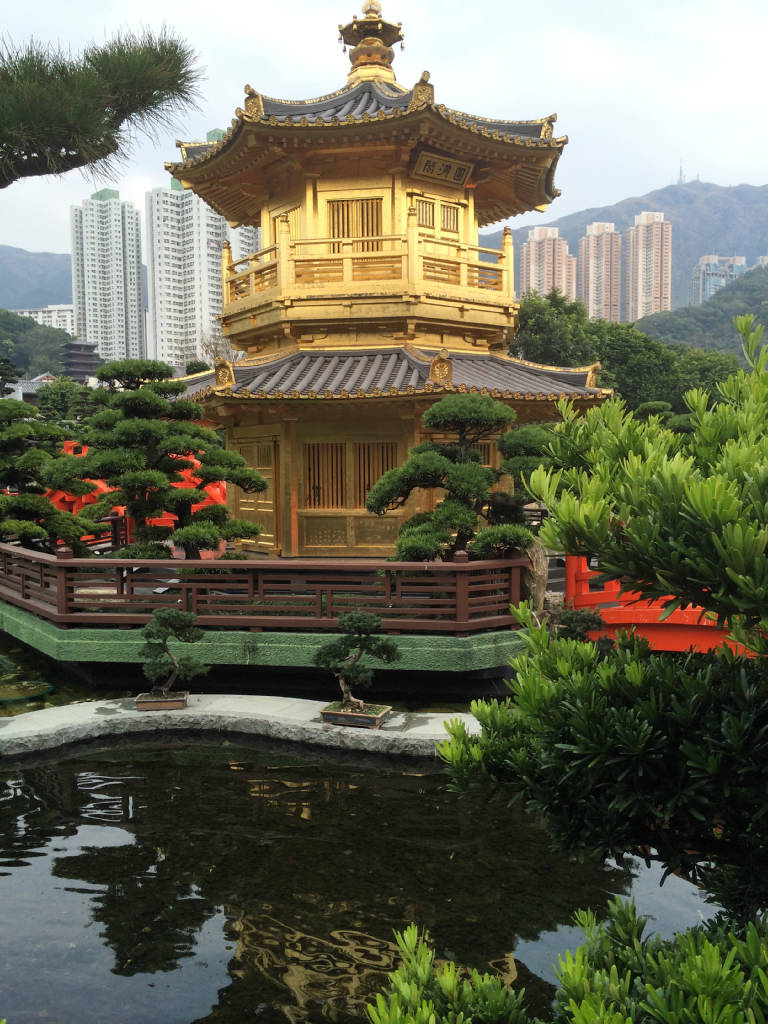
(415, 261)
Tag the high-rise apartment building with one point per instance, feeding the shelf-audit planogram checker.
(184, 244)
(106, 275)
(648, 266)
(599, 271)
(545, 263)
(713, 273)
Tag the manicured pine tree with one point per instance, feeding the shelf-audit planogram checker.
(29, 449)
(139, 441)
(454, 466)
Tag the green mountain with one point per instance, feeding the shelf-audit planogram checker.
(30, 280)
(705, 218)
(711, 324)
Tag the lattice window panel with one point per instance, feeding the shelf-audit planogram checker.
(356, 218)
(449, 217)
(425, 213)
(324, 475)
(371, 460)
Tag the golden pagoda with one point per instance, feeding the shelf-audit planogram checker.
(370, 297)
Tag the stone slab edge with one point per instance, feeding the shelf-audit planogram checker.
(421, 653)
(404, 735)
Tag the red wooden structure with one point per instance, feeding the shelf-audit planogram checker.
(685, 629)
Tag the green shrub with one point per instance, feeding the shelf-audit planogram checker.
(500, 541)
(706, 975)
(607, 744)
(420, 993)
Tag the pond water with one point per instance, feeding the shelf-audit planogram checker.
(208, 882)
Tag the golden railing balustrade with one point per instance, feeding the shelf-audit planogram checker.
(389, 262)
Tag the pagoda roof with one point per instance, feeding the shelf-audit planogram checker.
(514, 161)
(359, 104)
(392, 372)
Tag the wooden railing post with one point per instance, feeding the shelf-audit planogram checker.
(412, 247)
(226, 260)
(62, 579)
(462, 255)
(508, 264)
(460, 559)
(346, 261)
(283, 252)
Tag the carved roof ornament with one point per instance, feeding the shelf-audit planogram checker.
(423, 93)
(441, 368)
(371, 39)
(225, 375)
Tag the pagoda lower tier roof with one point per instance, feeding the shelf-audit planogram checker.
(397, 371)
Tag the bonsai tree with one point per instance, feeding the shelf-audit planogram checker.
(161, 666)
(141, 439)
(455, 467)
(344, 655)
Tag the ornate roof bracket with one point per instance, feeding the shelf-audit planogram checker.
(423, 94)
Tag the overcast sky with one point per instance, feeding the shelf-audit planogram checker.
(638, 88)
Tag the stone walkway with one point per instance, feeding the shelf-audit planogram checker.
(406, 734)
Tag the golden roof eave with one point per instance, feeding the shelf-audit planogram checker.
(210, 394)
(271, 125)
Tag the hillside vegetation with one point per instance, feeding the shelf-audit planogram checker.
(711, 324)
(34, 349)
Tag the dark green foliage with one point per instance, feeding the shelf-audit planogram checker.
(63, 400)
(640, 369)
(500, 541)
(59, 112)
(28, 465)
(162, 666)
(471, 417)
(524, 450)
(9, 374)
(196, 366)
(627, 750)
(130, 374)
(36, 523)
(575, 623)
(553, 331)
(143, 434)
(454, 467)
(421, 993)
(30, 346)
(348, 657)
(647, 409)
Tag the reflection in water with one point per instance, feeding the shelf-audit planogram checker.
(227, 885)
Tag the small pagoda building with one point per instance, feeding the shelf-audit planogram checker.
(370, 298)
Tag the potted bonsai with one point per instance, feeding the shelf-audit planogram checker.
(161, 666)
(344, 658)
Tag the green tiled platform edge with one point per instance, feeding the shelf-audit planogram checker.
(434, 653)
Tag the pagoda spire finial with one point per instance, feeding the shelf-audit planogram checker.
(371, 39)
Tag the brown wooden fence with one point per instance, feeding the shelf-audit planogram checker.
(455, 598)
